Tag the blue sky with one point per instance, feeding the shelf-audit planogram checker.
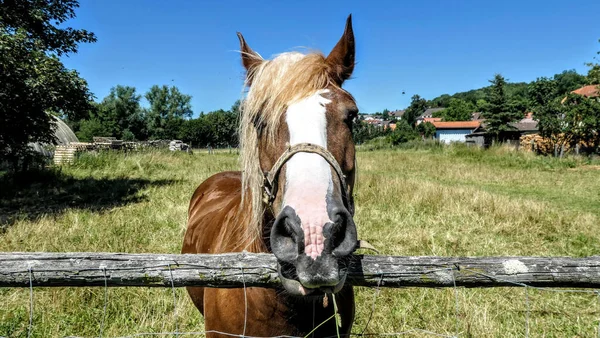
(422, 47)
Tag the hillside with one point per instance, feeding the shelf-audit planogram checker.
(566, 81)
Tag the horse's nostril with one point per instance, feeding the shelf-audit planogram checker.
(342, 232)
(287, 236)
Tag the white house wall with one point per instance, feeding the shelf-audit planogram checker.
(452, 135)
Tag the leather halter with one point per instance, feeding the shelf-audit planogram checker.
(270, 180)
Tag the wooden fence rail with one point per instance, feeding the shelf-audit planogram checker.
(260, 270)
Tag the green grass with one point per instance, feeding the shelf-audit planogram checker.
(416, 201)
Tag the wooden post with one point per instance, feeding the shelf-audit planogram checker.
(233, 270)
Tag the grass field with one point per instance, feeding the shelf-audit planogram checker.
(438, 201)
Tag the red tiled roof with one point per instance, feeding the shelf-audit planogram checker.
(457, 125)
(588, 91)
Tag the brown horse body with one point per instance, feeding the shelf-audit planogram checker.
(293, 100)
(270, 312)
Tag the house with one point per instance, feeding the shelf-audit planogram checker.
(455, 131)
(397, 114)
(432, 119)
(477, 116)
(387, 124)
(427, 114)
(525, 126)
(587, 91)
(373, 121)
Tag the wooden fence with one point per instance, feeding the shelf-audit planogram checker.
(31, 269)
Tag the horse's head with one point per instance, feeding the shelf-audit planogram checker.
(297, 131)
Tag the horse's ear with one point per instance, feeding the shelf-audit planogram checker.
(341, 58)
(250, 59)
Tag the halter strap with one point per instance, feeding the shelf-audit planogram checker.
(271, 177)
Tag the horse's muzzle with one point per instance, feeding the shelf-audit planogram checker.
(302, 274)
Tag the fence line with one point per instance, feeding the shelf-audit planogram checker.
(83, 269)
(457, 333)
(260, 270)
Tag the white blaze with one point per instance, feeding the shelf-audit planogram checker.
(308, 176)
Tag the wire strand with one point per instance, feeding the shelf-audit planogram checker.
(30, 327)
(245, 303)
(375, 295)
(174, 301)
(105, 302)
(528, 311)
(456, 307)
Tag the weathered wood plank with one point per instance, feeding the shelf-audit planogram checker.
(260, 270)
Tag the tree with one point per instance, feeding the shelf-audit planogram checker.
(235, 109)
(458, 110)
(543, 102)
(120, 113)
(363, 131)
(516, 93)
(543, 90)
(594, 71)
(426, 129)
(568, 80)
(481, 105)
(541, 93)
(441, 101)
(499, 112)
(564, 121)
(168, 109)
(403, 133)
(574, 121)
(33, 81)
(92, 127)
(582, 119)
(470, 96)
(417, 106)
(222, 127)
(195, 132)
(216, 129)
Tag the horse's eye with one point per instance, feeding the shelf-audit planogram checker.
(351, 114)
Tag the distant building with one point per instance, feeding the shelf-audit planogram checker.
(397, 114)
(427, 114)
(525, 126)
(455, 131)
(63, 134)
(588, 91)
(477, 116)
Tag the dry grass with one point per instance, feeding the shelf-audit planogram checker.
(451, 202)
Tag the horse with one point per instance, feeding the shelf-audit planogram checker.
(293, 197)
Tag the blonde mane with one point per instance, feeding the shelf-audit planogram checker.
(275, 84)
